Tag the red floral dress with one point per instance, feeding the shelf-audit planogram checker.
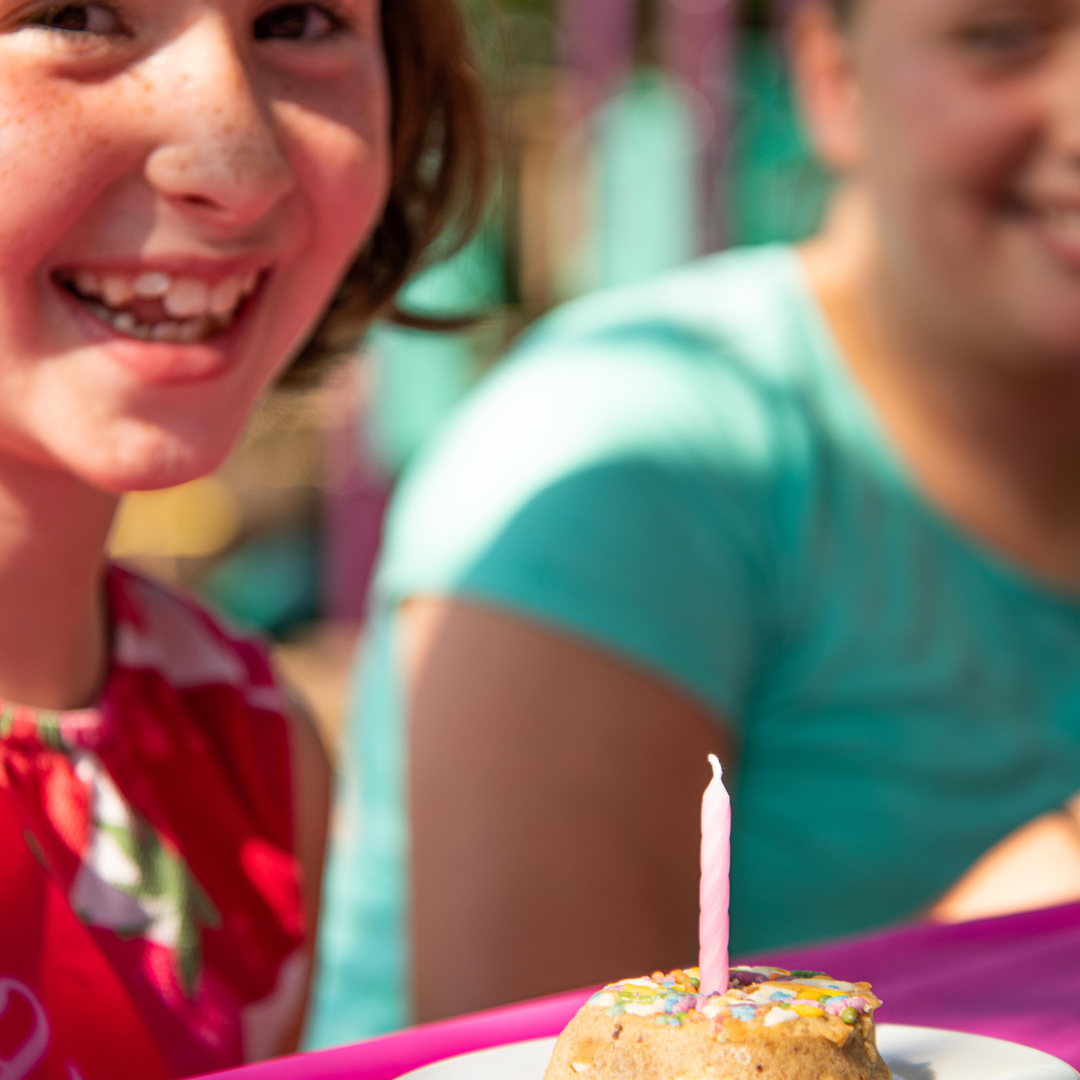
(150, 914)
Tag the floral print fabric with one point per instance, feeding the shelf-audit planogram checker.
(163, 816)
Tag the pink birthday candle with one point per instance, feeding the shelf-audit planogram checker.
(715, 887)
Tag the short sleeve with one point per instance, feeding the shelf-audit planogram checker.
(614, 486)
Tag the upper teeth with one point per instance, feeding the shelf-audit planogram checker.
(181, 297)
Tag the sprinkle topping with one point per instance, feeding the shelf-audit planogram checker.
(770, 995)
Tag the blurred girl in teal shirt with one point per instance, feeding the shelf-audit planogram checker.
(815, 510)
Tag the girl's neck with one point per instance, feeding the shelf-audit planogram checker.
(994, 447)
(53, 619)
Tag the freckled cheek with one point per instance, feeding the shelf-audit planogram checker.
(53, 162)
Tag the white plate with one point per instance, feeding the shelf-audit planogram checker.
(913, 1053)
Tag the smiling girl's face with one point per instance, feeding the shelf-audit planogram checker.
(183, 184)
(961, 120)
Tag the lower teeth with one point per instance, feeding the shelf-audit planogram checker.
(186, 332)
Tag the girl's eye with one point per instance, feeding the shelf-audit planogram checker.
(297, 22)
(78, 18)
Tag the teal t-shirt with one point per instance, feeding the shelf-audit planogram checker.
(684, 473)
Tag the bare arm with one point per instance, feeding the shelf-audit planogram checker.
(1037, 866)
(555, 802)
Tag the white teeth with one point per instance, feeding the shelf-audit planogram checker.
(125, 322)
(194, 309)
(188, 331)
(165, 331)
(191, 330)
(187, 297)
(224, 297)
(116, 289)
(152, 285)
(88, 283)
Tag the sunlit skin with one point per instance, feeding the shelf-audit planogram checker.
(236, 147)
(963, 126)
(169, 135)
(203, 138)
(949, 271)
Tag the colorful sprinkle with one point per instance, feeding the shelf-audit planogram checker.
(780, 1015)
(674, 998)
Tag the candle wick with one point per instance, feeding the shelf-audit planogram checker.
(717, 768)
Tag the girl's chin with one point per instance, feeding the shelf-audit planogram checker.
(150, 461)
(118, 483)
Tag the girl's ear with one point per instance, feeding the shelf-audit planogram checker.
(826, 85)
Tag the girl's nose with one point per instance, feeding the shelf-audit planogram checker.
(219, 154)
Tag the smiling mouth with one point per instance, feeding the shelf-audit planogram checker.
(157, 306)
(1062, 218)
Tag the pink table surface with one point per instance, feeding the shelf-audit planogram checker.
(1016, 978)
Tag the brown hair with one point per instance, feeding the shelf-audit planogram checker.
(440, 155)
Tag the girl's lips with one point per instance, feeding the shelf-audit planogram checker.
(1063, 245)
(1055, 227)
(163, 362)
